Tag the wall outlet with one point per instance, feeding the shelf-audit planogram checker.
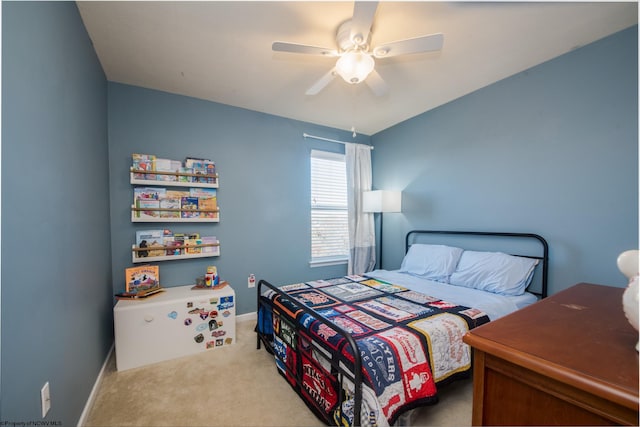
(45, 399)
(251, 281)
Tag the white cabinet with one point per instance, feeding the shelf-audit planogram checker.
(178, 322)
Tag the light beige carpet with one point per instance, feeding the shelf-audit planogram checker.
(230, 386)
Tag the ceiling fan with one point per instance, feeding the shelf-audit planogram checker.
(356, 61)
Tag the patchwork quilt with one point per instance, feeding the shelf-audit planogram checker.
(407, 342)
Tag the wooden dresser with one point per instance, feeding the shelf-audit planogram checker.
(569, 359)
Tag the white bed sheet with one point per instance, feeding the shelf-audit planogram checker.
(494, 305)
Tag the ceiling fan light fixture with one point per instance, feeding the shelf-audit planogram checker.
(354, 66)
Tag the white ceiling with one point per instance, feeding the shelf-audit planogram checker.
(221, 51)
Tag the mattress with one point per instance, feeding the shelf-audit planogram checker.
(494, 305)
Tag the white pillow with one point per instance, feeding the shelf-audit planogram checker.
(433, 262)
(495, 272)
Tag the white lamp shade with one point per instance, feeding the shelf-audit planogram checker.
(354, 67)
(382, 201)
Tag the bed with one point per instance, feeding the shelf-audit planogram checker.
(366, 350)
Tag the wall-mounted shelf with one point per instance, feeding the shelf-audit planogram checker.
(177, 183)
(159, 218)
(135, 249)
(153, 204)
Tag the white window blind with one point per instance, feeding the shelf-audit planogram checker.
(329, 223)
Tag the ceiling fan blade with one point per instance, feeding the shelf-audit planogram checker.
(302, 48)
(416, 45)
(322, 83)
(363, 13)
(376, 83)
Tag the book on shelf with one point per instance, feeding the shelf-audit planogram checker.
(147, 200)
(189, 206)
(147, 208)
(210, 206)
(150, 240)
(192, 246)
(173, 247)
(149, 193)
(203, 192)
(177, 194)
(179, 237)
(143, 162)
(170, 203)
(202, 167)
(185, 178)
(210, 249)
(141, 279)
(167, 165)
(197, 162)
(207, 201)
(210, 169)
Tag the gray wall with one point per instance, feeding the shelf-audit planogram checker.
(56, 260)
(552, 150)
(263, 163)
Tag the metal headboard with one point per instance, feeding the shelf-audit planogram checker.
(543, 257)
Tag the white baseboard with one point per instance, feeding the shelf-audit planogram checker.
(94, 391)
(247, 317)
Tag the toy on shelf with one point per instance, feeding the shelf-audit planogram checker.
(211, 280)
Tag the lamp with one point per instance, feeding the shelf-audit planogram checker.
(354, 66)
(380, 201)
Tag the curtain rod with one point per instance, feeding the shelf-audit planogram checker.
(306, 135)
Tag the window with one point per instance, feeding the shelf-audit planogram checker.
(329, 222)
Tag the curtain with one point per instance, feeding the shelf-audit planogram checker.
(362, 256)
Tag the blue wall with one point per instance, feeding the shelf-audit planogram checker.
(56, 267)
(552, 150)
(263, 163)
